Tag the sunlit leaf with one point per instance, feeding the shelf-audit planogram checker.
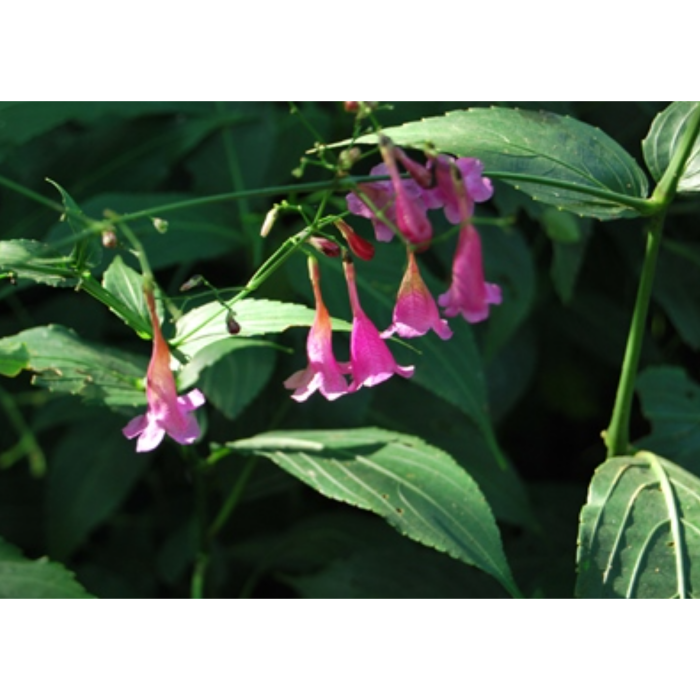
(36, 261)
(528, 146)
(65, 363)
(417, 488)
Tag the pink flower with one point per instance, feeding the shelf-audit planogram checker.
(411, 217)
(370, 358)
(469, 294)
(323, 373)
(460, 184)
(167, 412)
(416, 312)
(359, 246)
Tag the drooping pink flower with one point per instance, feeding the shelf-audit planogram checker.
(416, 312)
(167, 412)
(323, 373)
(411, 215)
(469, 294)
(460, 182)
(371, 360)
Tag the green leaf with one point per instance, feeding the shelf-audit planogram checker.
(233, 372)
(65, 363)
(418, 489)
(36, 261)
(639, 535)
(24, 578)
(664, 138)
(126, 285)
(557, 160)
(671, 402)
(93, 469)
(207, 323)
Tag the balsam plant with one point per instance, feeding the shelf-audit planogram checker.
(450, 250)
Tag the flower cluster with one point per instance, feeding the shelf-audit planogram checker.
(400, 205)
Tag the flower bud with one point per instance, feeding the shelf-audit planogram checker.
(109, 239)
(269, 221)
(329, 248)
(359, 246)
(160, 225)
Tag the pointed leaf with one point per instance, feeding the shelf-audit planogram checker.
(126, 285)
(417, 488)
(531, 145)
(639, 535)
(23, 578)
(663, 140)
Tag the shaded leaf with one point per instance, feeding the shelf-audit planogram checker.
(531, 145)
(639, 535)
(417, 488)
(25, 578)
(671, 402)
(663, 140)
(63, 362)
(92, 470)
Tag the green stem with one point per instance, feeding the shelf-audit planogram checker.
(233, 498)
(617, 435)
(26, 192)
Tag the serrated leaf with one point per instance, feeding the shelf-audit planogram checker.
(36, 261)
(63, 362)
(40, 578)
(639, 535)
(664, 138)
(207, 323)
(530, 145)
(419, 489)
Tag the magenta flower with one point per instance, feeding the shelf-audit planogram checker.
(469, 294)
(460, 184)
(416, 312)
(167, 412)
(322, 373)
(411, 217)
(370, 358)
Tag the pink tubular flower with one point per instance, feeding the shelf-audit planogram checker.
(460, 181)
(469, 294)
(167, 412)
(323, 373)
(416, 312)
(370, 358)
(358, 245)
(411, 217)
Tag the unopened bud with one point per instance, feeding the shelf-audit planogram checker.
(420, 174)
(233, 327)
(329, 248)
(191, 283)
(160, 225)
(269, 222)
(109, 239)
(351, 106)
(348, 158)
(358, 245)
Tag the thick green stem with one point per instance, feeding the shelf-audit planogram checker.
(617, 434)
